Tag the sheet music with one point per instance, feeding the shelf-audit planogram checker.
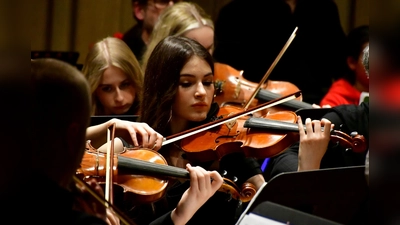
(254, 219)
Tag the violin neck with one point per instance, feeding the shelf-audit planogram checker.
(267, 96)
(135, 166)
(262, 123)
(275, 125)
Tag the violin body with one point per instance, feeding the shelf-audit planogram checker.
(143, 175)
(139, 188)
(232, 137)
(231, 88)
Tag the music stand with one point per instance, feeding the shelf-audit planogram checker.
(337, 194)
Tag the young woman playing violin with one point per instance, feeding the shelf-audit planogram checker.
(315, 151)
(178, 95)
(55, 152)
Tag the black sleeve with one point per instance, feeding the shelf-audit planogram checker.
(163, 220)
(350, 118)
(287, 161)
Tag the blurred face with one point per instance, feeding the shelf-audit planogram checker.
(115, 92)
(358, 68)
(195, 92)
(152, 12)
(204, 35)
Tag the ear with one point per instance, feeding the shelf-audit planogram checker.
(351, 63)
(138, 11)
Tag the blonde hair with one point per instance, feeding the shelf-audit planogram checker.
(176, 20)
(112, 52)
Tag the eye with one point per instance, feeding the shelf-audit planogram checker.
(106, 89)
(208, 83)
(125, 84)
(185, 84)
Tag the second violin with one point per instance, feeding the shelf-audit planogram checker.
(231, 88)
(143, 174)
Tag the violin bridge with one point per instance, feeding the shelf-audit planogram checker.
(230, 124)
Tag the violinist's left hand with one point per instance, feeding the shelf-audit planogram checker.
(313, 142)
(141, 134)
(203, 185)
(138, 134)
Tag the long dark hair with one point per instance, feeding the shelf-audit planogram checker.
(162, 78)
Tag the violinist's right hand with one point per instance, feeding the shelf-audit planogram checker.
(88, 204)
(203, 185)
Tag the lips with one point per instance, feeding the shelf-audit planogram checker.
(200, 104)
(121, 107)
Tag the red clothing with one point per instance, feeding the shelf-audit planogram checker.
(388, 92)
(341, 92)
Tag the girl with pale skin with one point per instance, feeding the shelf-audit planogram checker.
(179, 95)
(116, 79)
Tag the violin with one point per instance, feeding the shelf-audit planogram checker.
(256, 137)
(355, 142)
(231, 88)
(231, 137)
(143, 174)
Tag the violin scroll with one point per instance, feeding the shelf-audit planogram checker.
(248, 191)
(354, 141)
(245, 194)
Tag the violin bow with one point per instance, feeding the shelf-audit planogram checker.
(269, 71)
(204, 127)
(110, 164)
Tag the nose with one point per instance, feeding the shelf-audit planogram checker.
(200, 91)
(118, 95)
